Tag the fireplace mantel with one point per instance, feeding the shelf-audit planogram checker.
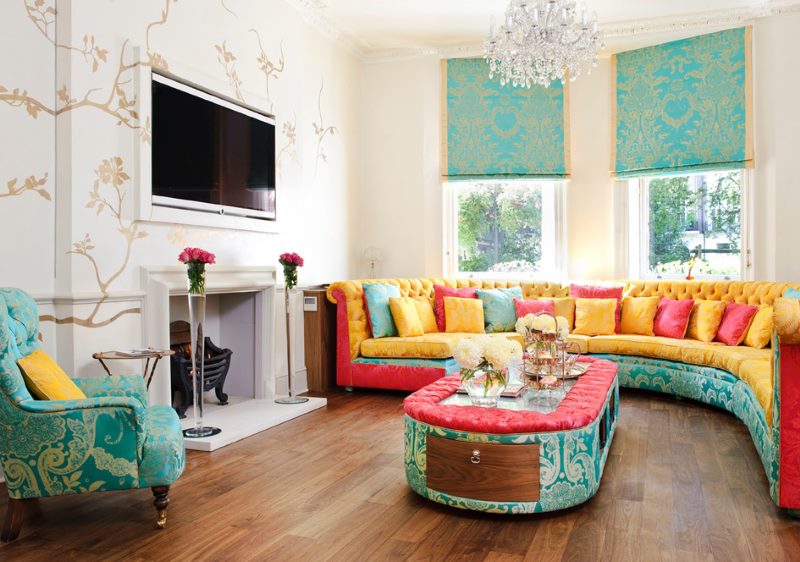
(162, 282)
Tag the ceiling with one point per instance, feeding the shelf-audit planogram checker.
(383, 26)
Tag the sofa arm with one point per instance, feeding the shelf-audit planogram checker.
(132, 386)
(786, 319)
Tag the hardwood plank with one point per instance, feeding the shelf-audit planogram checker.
(683, 482)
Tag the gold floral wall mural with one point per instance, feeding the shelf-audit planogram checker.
(289, 148)
(269, 68)
(43, 16)
(30, 184)
(116, 103)
(322, 131)
(228, 62)
(107, 195)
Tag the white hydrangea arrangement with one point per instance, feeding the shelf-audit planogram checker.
(491, 355)
(543, 323)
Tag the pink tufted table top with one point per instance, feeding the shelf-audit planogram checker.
(579, 408)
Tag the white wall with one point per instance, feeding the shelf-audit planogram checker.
(315, 194)
(399, 201)
(777, 144)
(402, 214)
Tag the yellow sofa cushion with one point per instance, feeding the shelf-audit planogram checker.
(595, 317)
(405, 316)
(759, 333)
(638, 314)
(46, 380)
(705, 319)
(563, 306)
(463, 315)
(426, 315)
(429, 346)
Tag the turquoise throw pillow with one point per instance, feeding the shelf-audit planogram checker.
(380, 315)
(499, 313)
(792, 293)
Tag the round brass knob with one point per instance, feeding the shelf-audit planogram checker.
(476, 456)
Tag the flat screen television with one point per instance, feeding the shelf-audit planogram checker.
(210, 153)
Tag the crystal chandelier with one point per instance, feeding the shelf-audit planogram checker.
(542, 41)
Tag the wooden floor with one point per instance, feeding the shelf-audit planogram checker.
(683, 482)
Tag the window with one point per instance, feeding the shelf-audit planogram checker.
(505, 229)
(679, 218)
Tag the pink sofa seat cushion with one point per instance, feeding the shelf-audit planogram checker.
(735, 321)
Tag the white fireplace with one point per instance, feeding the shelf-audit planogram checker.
(241, 316)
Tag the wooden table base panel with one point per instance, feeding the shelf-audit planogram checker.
(483, 471)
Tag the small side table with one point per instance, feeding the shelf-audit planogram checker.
(153, 355)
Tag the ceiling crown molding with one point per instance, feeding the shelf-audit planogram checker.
(716, 18)
(313, 12)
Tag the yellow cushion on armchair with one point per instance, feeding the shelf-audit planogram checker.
(46, 380)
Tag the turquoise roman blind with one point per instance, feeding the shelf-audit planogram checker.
(494, 131)
(684, 106)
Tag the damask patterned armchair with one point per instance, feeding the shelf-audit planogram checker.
(110, 440)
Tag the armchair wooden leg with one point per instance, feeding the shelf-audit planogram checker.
(161, 502)
(15, 514)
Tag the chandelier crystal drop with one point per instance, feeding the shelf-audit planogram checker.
(542, 41)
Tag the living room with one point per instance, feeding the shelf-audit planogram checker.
(341, 279)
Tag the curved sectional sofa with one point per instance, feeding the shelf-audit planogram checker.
(761, 387)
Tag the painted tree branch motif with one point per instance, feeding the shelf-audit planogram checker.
(116, 104)
(289, 149)
(43, 16)
(154, 59)
(108, 195)
(269, 68)
(322, 131)
(228, 62)
(31, 183)
(227, 9)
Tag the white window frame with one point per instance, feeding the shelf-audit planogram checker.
(554, 234)
(632, 237)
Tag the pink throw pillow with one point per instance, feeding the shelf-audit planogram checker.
(672, 318)
(594, 292)
(735, 321)
(440, 292)
(529, 306)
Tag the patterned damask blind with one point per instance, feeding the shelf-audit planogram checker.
(494, 131)
(684, 106)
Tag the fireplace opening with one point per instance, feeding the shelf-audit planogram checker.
(216, 363)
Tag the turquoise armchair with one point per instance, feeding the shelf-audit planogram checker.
(111, 440)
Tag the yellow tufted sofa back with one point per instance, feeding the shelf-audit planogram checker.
(748, 292)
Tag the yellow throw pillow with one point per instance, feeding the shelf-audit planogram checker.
(406, 318)
(426, 314)
(564, 306)
(46, 380)
(638, 314)
(463, 315)
(595, 317)
(705, 320)
(759, 333)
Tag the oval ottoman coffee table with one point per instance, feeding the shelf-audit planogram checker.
(530, 454)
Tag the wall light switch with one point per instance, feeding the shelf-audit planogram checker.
(309, 304)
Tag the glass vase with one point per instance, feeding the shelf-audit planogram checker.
(484, 386)
(197, 319)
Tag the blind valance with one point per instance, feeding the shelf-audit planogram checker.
(684, 106)
(491, 131)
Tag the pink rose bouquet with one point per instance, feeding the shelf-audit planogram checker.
(290, 262)
(196, 260)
